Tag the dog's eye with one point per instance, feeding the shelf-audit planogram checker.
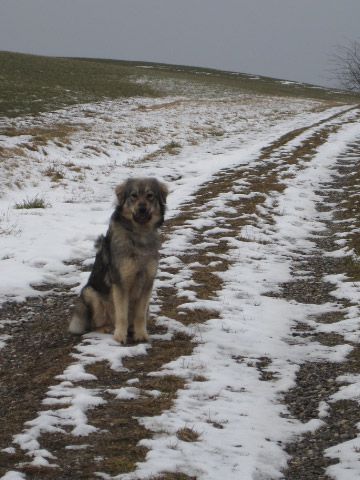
(134, 195)
(150, 196)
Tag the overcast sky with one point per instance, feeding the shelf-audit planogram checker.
(289, 39)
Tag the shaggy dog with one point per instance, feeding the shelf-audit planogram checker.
(118, 291)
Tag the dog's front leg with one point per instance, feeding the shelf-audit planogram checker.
(120, 299)
(140, 316)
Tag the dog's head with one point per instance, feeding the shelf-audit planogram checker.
(142, 201)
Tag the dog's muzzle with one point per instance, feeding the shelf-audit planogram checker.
(142, 215)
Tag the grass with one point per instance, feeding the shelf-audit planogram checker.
(57, 82)
(36, 202)
(7, 227)
(171, 148)
(187, 434)
(55, 173)
(31, 84)
(42, 135)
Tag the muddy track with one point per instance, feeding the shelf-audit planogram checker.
(40, 348)
(316, 381)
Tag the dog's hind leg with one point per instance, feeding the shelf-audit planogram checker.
(89, 313)
(121, 306)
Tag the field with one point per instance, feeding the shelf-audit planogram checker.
(253, 365)
(31, 84)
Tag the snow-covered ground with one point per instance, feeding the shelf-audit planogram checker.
(211, 136)
(186, 144)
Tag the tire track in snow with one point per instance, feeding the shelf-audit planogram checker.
(331, 451)
(269, 466)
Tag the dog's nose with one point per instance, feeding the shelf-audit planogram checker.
(142, 208)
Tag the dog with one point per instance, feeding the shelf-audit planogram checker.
(119, 288)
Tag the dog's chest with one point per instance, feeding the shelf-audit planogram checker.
(134, 261)
(135, 268)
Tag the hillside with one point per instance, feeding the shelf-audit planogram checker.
(33, 84)
(253, 365)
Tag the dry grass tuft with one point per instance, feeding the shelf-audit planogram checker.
(56, 174)
(188, 434)
(29, 203)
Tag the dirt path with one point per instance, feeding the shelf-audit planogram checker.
(317, 382)
(39, 347)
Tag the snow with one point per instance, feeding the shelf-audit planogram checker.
(79, 210)
(254, 424)
(13, 475)
(125, 393)
(348, 455)
(247, 445)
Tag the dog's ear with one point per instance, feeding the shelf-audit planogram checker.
(120, 192)
(163, 192)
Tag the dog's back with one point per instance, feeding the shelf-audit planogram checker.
(98, 281)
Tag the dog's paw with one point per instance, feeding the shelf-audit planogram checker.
(120, 336)
(141, 336)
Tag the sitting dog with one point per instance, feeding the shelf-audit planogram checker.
(118, 291)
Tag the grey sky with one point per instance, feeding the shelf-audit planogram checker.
(290, 39)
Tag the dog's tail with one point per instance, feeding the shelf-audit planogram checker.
(81, 319)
